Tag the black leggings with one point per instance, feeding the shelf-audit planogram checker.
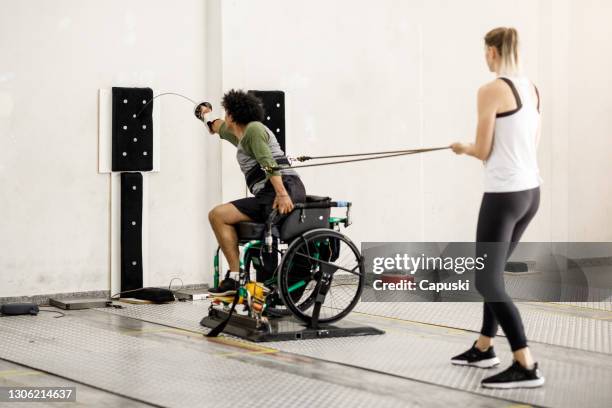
(503, 218)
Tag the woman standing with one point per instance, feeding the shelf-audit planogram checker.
(506, 140)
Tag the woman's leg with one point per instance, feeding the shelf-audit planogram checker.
(503, 217)
(523, 355)
(488, 330)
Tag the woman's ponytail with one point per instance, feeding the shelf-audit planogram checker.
(505, 40)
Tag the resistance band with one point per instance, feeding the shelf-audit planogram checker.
(377, 155)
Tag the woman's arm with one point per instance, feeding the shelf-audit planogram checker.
(487, 110)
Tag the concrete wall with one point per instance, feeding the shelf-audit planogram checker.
(54, 206)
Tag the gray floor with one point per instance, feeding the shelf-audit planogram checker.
(155, 355)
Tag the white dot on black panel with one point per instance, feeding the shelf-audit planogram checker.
(134, 263)
(124, 154)
(278, 105)
(144, 126)
(134, 187)
(124, 127)
(267, 118)
(133, 222)
(144, 153)
(277, 130)
(144, 101)
(135, 139)
(125, 101)
(134, 116)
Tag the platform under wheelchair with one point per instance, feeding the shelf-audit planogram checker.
(299, 276)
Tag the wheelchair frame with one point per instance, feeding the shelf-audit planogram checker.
(266, 243)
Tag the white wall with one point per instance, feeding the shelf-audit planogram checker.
(363, 76)
(590, 121)
(358, 75)
(54, 206)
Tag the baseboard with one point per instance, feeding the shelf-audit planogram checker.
(44, 299)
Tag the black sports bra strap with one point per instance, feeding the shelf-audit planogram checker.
(517, 97)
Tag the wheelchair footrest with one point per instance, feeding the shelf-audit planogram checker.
(284, 329)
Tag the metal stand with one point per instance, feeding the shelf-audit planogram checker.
(283, 329)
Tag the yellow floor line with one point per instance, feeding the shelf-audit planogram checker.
(164, 330)
(450, 329)
(239, 344)
(562, 306)
(242, 353)
(18, 373)
(220, 340)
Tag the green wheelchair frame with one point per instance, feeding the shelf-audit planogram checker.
(317, 236)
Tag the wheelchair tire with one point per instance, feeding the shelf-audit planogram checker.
(330, 247)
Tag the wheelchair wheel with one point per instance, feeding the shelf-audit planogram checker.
(301, 270)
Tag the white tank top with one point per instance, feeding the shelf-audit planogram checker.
(512, 164)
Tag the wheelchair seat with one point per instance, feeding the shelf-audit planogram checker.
(249, 231)
(294, 224)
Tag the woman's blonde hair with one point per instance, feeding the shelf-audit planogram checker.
(505, 40)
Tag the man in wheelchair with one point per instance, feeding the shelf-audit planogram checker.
(257, 149)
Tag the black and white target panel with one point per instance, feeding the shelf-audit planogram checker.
(128, 137)
(131, 231)
(132, 129)
(274, 112)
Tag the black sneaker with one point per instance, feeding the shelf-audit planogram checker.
(228, 286)
(515, 376)
(476, 358)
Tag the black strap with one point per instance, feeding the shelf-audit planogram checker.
(257, 173)
(517, 97)
(538, 95)
(221, 326)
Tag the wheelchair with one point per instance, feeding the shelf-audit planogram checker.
(301, 265)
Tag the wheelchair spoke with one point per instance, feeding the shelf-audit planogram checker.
(302, 268)
(330, 264)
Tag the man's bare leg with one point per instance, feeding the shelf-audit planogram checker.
(222, 219)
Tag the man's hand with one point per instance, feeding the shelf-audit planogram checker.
(283, 204)
(214, 125)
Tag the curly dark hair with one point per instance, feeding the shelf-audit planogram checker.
(244, 107)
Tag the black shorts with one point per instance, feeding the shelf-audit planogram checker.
(258, 208)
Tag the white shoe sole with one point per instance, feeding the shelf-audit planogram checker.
(517, 384)
(488, 363)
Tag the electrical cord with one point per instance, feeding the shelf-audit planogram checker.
(162, 94)
(61, 314)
